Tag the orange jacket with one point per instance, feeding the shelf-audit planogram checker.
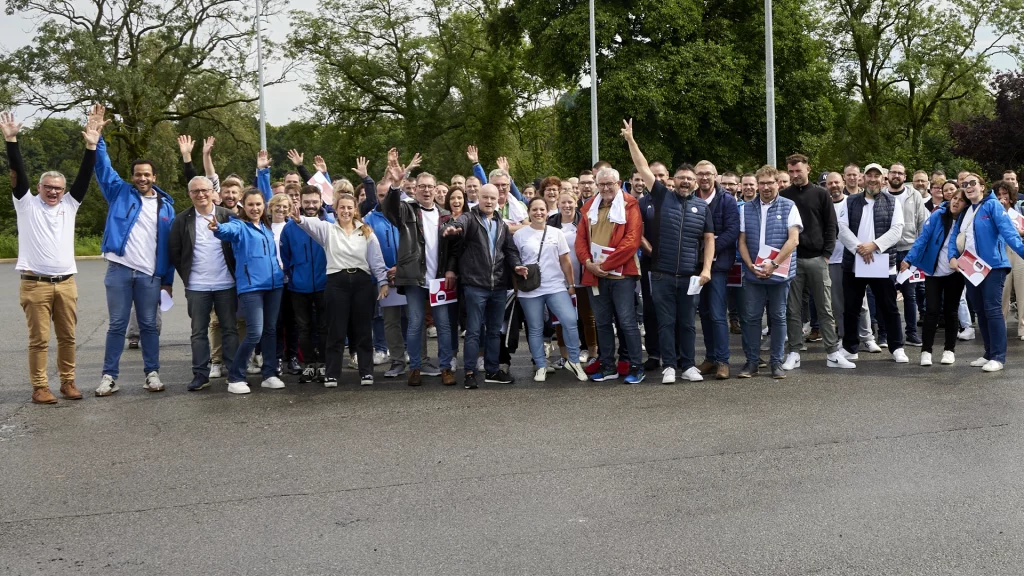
(625, 239)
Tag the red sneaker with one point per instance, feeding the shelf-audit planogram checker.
(593, 366)
(623, 368)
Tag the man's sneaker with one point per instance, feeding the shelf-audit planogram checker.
(293, 366)
(216, 370)
(668, 375)
(499, 377)
(396, 370)
(761, 363)
(837, 360)
(252, 368)
(507, 368)
(636, 375)
(603, 375)
(593, 366)
(379, 358)
(540, 375)
(557, 364)
(480, 364)
(992, 366)
(280, 367)
(430, 369)
(966, 334)
(258, 358)
(979, 362)
(353, 362)
(766, 343)
(432, 332)
(883, 341)
(777, 372)
(576, 370)
(238, 388)
(274, 383)
(153, 383)
(308, 374)
(469, 382)
(749, 370)
(848, 355)
(764, 331)
(330, 382)
(806, 328)
(585, 355)
(948, 357)
(693, 374)
(133, 343)
(900, 356)
(914, 340)
(415, 378)
(926, 358)
(652, 364)
(871, 346)
(814, 335)
(447, 377)
(792, 361)
(622, 368)
(198, 383)
(366, 380)
(321, 373)
(107, 386)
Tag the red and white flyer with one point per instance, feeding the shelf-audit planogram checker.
(442, 293)
(973, 268)
(325, 186)
(767, 253)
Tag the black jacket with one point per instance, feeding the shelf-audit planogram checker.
(182, 240)
(477, 267)
(818, 238)
(555, 220)
(411, 268)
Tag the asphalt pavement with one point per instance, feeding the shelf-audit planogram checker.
(886, 469)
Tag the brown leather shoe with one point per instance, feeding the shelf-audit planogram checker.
(723, 372)
(447, 377)
(734, 327)
(69, 391)
(414, 378)
(43, 396)
(706, 367)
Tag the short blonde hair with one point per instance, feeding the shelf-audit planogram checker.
(343, 186)
(280, 199)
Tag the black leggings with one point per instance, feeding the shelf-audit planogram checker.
(941, 296)
(350, 298)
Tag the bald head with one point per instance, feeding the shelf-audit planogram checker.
(834, 183)
(488, 198)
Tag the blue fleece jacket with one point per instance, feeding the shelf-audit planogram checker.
(924, 254)
(124, 204)
(256, 266)
(304, 260)
(993, 232)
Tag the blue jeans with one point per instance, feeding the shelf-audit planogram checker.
(483, 308)
(612, 301)
(225, 303)
(754, 296)
(714, 323)
(988, 301)
(909, 292)
(260, 309)
(380, 343)
(561, 306)
(676, 328)
(126, 286)
(416, 298)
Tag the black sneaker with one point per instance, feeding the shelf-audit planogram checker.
(749, 370)
(198, 383)
(777, 372)
(308, 374)
(133, 344)
(469, 382)
(293, 366)
(652, 364)
(321, 373)
(762, 364)
(499, 377)
(914, 340)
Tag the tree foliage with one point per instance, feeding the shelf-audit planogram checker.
(996, 142)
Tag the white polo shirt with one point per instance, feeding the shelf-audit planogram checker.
(46, 235)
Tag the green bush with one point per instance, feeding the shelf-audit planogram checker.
(84, 246)
(8, 246)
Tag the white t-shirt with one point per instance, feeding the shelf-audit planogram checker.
(209, 270)
(569, 231)
(942, 264)
(46, 235)
(140, 251)
(970, 244)
(527, 240)
(866, 231)
(277, 228)
(430, 222)
(837, 254)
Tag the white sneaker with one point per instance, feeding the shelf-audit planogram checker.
(379, 358)
(806, 328)
(992, 366)
(432, 332)
(585, 355)
(540, 375)
(216, 370)
(668, 375)
(274, 383)
(480, 364)
(837, 360)
(792, 361)
(948, 357)
(576, 369)
(766, 344)
(764, 331)
(253, 368)
(238, 388)
(691, 374)
(926, 358)
(153, 383)
(900, 356)
(353, 362)
(871, 346)
(107, 386)
(966, 334)
(842, 352)
(979, 362)
(406, 358)
(455, 363)
(259, 360)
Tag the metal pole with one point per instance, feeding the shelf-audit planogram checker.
(259, 61)
(769, 80)
(594, 156)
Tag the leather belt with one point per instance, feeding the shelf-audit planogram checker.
(50, 279)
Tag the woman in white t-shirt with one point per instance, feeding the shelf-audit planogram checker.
(556, 286)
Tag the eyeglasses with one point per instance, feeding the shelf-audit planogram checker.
(201, 191)
(425, 187)
(704, 174)
(49, 188)
(607, 185)
(969, 184)
(897, 172)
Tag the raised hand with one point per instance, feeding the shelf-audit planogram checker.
(396, 173)
(97, 115)
(361, 165)
(185, 145)
(627, 129)
(263, 159)
(393, 156)
(91, 134)
(319, 164)
(295, 157)
(416, 160)
(502, 163)
(208, 145)
(473, 154)
(10, 126)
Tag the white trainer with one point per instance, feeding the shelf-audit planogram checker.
(979, 362)
(274, 383)
(966, 334)
(668, 375)
(253, 367)
(216, 370)
(576, 369)
(379, 358)
(926, 358)
(948, 357)
(353, 362)
(992, 366)
(849, 356)
(693, 375)
(238, 388)
(540, 375)
(107, 386)
(480, 364)
(900, 356)
(153, 383)
(871, 346)
(792, 361)
(837, 360)
(432, 332)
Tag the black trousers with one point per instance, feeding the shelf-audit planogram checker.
(941, 297)
(885, 302)
(287, 334)
(651, 339)
(309, 308)
(352, 295)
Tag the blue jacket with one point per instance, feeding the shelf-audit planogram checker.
(726, 216)
(255, 251)
(124, 204)
(304, 260)
(924, 254)
(993, 232)
(387, 235)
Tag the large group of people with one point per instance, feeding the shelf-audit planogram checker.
(283, 276)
